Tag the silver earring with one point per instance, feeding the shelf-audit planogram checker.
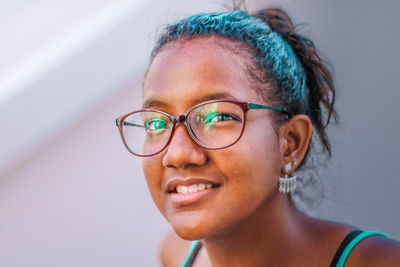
(287, 184)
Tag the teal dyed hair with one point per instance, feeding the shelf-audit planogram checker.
(271, 52)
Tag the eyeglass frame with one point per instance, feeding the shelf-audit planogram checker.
(175, 120)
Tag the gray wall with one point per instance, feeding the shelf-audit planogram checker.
(359, 39)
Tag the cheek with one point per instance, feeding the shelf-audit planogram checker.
(255, 157)
(251, 168)
(152, 169)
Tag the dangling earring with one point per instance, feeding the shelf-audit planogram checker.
(287, 184)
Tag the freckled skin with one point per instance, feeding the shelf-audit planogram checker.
(247, 171)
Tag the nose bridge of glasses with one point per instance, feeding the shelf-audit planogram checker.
(178, 119)
(181, 119)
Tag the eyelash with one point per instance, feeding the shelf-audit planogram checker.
(147, 123)
(231, 116)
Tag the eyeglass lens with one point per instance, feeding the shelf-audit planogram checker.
(214, 125)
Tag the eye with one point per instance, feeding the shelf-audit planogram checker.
(156, 124)
(215, 117)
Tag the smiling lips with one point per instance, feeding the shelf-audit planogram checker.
(191, 194)
(184, 186)
(190, 191)
(182, 189)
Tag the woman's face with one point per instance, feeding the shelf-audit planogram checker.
(243, 177)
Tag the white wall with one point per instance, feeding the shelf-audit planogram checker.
(80, 200)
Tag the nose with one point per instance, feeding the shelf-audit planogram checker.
(182, 152)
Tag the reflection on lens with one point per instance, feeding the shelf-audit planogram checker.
(146, 132)
(216, 124)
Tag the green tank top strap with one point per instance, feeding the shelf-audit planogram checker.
(351, 240)
(192, 253)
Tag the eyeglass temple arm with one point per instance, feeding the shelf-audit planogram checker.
(256, 106)
(129, 124)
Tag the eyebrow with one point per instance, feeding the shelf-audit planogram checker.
(216, 96)
(153, 103)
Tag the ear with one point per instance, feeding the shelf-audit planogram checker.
(295, 135)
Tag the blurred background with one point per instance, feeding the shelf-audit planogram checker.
(70, 193)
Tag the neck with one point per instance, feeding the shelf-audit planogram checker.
(263, 239)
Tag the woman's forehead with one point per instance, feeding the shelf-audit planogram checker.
(194, 70)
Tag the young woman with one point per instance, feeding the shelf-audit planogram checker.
(230, 101)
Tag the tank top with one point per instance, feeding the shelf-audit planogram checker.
(348, 243)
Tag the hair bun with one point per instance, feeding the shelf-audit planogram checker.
(277, 20)
(319, 79)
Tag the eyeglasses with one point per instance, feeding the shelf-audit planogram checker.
(212, 124)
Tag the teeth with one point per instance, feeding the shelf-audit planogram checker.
(182, 189)
(179, 189)
(192, 188)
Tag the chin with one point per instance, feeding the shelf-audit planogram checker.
(189, 233)
(191, 227)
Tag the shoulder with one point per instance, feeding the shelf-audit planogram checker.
(371, 251)
(375, 251)
(172, 249)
